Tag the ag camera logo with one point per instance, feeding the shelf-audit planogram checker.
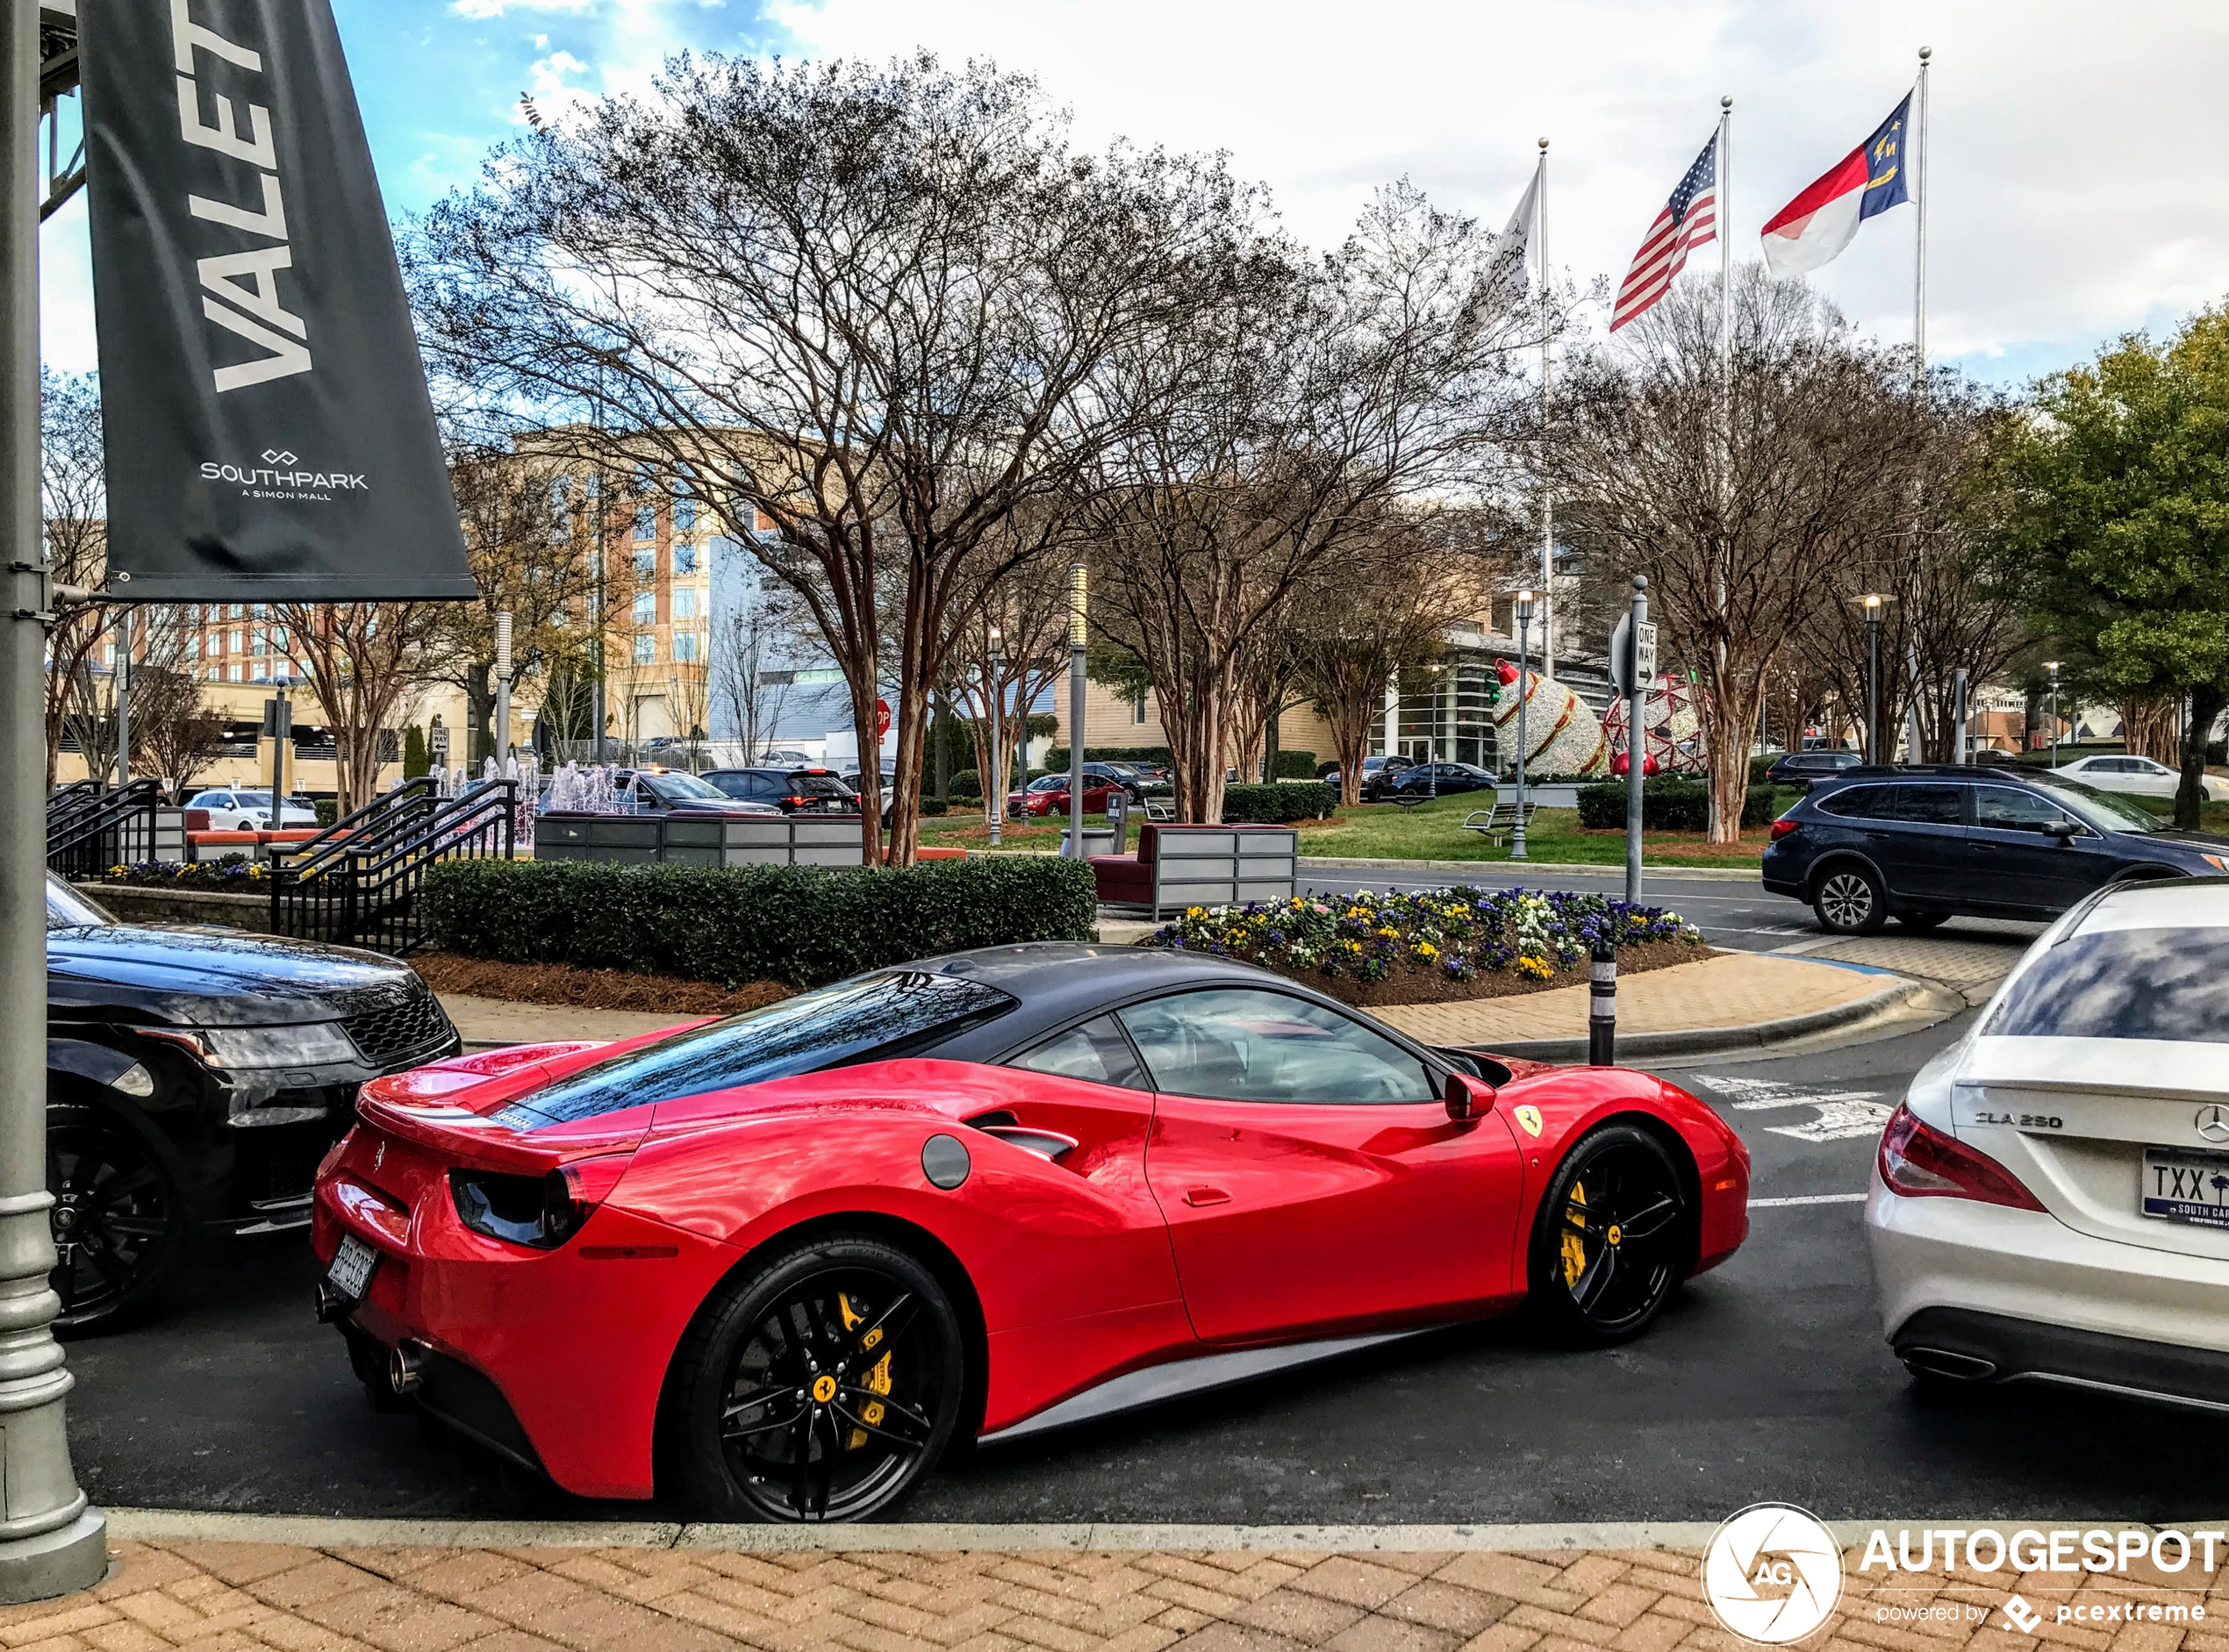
(1773, 1574)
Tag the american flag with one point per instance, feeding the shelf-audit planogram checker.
(1689, 218)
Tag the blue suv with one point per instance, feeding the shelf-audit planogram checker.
(1922, 843)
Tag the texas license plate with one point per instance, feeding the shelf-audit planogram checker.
(351, 1266)
(2186, 1184)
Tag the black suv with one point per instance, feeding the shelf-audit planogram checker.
(792, 790)
(195, 1076)
(1797, 768)
(1921, 843)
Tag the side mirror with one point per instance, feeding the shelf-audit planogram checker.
(2061, 830)
(1466, 1097)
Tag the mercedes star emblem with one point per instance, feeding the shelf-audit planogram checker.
(2214, 1123)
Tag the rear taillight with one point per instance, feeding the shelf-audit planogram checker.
(1786, 829)
(539, 1211)
(796, 802)
(1921, 1162)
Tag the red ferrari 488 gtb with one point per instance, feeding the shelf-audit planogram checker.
(773, 1264)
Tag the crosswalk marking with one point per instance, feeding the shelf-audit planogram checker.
(1807, 1199)
(1842, 1115)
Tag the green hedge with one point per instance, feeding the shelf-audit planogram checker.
(327, 810)
(967, 783)
(1279, 804)
(1056, 759)
(1674, 803)
(783, 923)
(1295, 766)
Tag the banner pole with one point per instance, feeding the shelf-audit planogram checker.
(54, 1541)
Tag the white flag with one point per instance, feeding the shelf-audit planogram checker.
(1511, 263)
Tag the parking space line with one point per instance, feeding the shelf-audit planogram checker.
(1807, 1199)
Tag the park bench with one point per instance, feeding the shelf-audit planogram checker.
(1497, 824)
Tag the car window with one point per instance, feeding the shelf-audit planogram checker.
(208, 800)
(1856, 802)
(676, 787)
(1926, 805)
(67, 909)
(1095, 1052)
(875, 1017)
(2003, 809)
(2164, 983)
(255, 800)
(2147, 766)
(2104, 766)
(1245, 1044)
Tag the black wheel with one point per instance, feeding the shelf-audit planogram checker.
(1850, 901)
(1923, 920)
(1611, 1241)
(818, 1388)
(119, 1219)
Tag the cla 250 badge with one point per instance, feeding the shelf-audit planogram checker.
(2022, 1120)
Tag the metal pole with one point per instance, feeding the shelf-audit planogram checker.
(1726, 252)
(51, 1539)
(1547, 495)
(1636, 740)
(281, 725)
(122, 678)
(1525, 651)
(1873, 685)
(1077, 637)
(502, 741)
(1919, 237)
(995, 780)
(1431, 753)
(1961, 742)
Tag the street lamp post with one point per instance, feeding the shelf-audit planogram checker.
(502, 741)
(1431, 756)
(2052, 666)
(998, 751)
(1079, 595)
(1872, 679)
(1525, 650)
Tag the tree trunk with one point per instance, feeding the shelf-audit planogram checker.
(2206, 702)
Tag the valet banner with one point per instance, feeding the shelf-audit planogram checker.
(268, 430)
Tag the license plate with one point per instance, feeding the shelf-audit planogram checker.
(351, 1266)
(2186, 1184)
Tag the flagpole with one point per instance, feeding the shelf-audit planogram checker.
(1919, 237)
(1547, 500)
(1726, 247)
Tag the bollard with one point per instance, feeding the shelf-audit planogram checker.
(1601, 1006)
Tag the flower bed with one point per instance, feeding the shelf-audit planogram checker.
(235, 873)
(1431, 945)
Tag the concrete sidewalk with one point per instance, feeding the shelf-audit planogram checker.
(727, 1589)
(1730, 991)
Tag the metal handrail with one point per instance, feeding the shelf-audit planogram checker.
(363, 889)
(382, 820)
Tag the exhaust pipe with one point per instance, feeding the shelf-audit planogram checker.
(407, 1367)
(1935, 1361)
(333, 1303)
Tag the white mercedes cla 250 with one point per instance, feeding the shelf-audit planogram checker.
(2051, 1202)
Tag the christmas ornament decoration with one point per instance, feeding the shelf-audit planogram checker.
(1563, 735)
(1673, 719)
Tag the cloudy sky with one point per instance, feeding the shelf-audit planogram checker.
(2075, 175)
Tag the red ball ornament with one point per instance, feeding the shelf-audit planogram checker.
(1505, 671)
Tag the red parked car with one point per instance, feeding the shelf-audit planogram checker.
(772, 1265)
(1048, 794)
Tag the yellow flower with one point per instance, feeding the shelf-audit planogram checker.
(1425, 949)
(1354, 946)
(1195, 911)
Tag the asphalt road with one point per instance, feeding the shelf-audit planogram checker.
(1766, 1379)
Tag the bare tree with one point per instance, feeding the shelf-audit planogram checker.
(1388, 612)
(175, 732)
(72, 499)
(1012, 646)
(1738, 500)
(861, 304)
(1276, 413)
(363, 661)
(752, 673)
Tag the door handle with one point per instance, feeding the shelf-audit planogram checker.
(1206, 1195)
(1985, 848)
(1878, 837)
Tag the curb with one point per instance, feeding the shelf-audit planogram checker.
(1708, 874)
(1713, 1041)
(327, 1532)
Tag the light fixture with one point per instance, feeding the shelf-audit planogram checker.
(1078, 603)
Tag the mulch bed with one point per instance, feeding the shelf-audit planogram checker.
(1424, 986)
(564, 984)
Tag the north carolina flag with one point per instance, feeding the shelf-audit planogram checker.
(1813, 228)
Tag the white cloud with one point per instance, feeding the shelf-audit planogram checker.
(497, 8)
(2076, 157)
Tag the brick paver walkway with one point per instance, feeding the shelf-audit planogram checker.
(224, 1596)
(1733, 989)
(1972, 966)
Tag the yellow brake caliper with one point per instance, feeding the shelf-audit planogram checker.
(878, 1378)
(1574, 1246)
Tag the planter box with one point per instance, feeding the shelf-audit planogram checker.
(134, 904)
(701, 839)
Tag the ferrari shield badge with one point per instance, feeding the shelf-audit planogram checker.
(1530, 1117)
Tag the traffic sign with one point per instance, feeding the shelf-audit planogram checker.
(1620, 637)
(1645, 654)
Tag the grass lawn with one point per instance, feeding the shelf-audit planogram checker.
(1429, 831)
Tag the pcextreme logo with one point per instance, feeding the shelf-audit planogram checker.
(1773, 1573)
